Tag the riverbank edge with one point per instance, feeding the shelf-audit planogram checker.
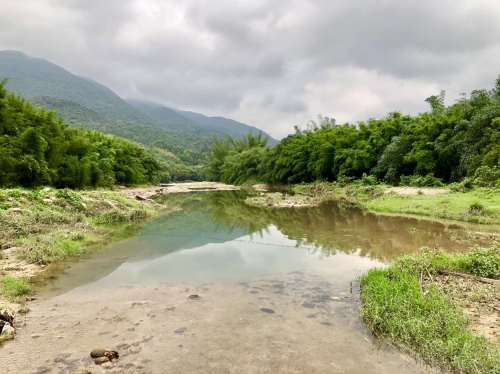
(479, 207)
(62, 227)
(404, 305)
(44, 229)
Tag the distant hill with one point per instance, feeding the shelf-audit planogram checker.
(85, 103)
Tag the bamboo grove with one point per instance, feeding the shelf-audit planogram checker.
(447, 143)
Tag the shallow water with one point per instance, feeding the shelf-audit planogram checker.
(278, 293)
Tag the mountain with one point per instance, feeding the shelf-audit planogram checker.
(85, 103)
(179, 120)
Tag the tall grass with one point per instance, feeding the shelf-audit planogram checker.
(396, 307)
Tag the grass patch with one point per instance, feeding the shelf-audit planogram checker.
(51, 225)
(395, 306)
(477, 206)
(14, 288)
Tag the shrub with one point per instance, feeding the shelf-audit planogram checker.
(420, 181)
(481, 262)
(368, 180)
(71, 197)
(486, 176)
(476, 209)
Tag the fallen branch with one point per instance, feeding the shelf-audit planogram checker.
(494, 282)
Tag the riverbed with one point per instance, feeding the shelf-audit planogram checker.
(222, 287)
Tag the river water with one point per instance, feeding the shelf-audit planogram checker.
(278, 292)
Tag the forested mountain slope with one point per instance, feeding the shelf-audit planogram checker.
(84, 103)
(38, 149)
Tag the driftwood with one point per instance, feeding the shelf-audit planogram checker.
(494, 282)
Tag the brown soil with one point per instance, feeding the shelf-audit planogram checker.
(479, 300)
(281, 200)
(406, 191)
(152, 191)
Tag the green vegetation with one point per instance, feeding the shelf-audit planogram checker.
(477, 206)
(50, 225)
(446, 145)
(13, 287)
(86, 104)
(38, 149)
(398, 303)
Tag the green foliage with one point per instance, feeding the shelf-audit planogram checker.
(236, 161)
(481, 262)
(395, 307)
(38, 149)
(13, 287)
(444, 145)
(479, 205)
(476, 208)
(368, 180)
(486, 176)
(83, 103)
(420, 181)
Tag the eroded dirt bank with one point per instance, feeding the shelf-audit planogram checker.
(295, 323)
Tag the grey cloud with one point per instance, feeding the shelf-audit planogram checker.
(272, 63)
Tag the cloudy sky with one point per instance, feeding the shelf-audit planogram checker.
(270, 63)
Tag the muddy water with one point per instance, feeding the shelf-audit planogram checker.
(278, 293)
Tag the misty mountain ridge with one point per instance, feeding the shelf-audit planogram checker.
(88, 104)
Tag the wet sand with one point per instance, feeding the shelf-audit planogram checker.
(295, 323)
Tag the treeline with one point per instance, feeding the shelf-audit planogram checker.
(36, 148)
(448, 143)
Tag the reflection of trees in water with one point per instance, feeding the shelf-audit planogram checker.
(332, 227)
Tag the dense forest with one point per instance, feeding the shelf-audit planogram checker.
(38, 149)
(446, 144)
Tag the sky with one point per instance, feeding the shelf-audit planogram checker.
(270, 63)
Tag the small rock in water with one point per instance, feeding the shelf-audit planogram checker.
(7, 316)
(308, 305)
(194, 297)
(98, 352)
(109, 354)
(8, 332)
(101, 360)
(180, 330)
(267, 310)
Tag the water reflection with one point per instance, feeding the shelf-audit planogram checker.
(217, 236)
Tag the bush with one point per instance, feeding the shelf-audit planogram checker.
(368, 180)
(487, 177)
(465, 185)
(476, 209)
(71, 197)
(481, 262)
(420, 181)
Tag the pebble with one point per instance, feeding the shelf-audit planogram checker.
(180, 330)
(101, 360)
(194, 297)
(267, 310)
(98, 352)
(7, 332)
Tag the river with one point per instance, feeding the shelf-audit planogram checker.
(277, 292)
